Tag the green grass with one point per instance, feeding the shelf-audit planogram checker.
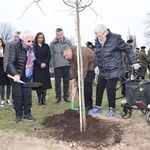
(7, 113)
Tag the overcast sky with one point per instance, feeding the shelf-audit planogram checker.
(118, 15)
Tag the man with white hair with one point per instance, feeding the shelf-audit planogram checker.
(20, 66)
(109, 66)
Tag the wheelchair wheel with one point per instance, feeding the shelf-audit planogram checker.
(144, 111)
(126, 111)
(148, 118)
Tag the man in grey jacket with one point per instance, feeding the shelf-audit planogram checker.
(60, 65)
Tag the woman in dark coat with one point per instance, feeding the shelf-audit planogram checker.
(41, 67)
(4, 80)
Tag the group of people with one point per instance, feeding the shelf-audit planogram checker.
(30, 58)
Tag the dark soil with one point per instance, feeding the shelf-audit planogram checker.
(66, 127)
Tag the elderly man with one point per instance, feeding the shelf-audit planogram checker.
(70, 53)
(20, 66)
(109, 65)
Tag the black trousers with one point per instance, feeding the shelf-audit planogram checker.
(5, 91)
(21, 97)
(110, 86)
(88, 88)
(62, 72)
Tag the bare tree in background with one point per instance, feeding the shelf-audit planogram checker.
(132, 37)
(6, 31)
(147, 30)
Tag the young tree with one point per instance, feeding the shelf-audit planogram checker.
(6, 31)
(77, 6)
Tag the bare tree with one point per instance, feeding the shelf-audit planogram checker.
(6, 31)
(27, 7)
(147, 30)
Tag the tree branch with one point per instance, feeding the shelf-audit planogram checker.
(27, 7)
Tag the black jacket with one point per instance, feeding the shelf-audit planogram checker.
(109, 56)
(42, 75)
(17, 59)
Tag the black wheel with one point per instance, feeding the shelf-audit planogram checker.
(148, 118)
(126, 111)
(144, 111)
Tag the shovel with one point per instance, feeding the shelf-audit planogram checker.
(72, 98)
(33, 85)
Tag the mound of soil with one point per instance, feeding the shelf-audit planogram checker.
(66, 127)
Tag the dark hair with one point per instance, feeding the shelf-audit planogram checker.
(64, 48)
(36, 37)
(3, 43)
(59, 29)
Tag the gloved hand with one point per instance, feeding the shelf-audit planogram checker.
(96, 70)
(136, 66)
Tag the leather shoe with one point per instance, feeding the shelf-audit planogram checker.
(57, 100)
(66, 99)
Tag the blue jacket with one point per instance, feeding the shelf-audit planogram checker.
(109, 56)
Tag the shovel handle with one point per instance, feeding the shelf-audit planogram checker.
(72, 98)
(9, 76)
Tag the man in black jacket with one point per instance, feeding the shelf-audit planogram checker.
(20, 66)
(109, 65)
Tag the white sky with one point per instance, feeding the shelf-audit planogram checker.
(118, 16)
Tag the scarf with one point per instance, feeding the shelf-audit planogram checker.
(30, 59)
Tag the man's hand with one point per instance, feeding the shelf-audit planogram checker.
(16, 78)
(136, 66)
(96, 70)
(73, 81)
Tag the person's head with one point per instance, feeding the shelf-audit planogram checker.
(39, 38)
(137, 49)
(17, 35)
(66, 52)
(143, 48)
(101, 32)
(28, 37)
(2, 43)
(59, 33)
(130, 42)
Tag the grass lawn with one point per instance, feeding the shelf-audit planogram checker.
(7, 113)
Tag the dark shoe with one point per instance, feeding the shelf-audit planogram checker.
(88, 108)
(66, 100)
(57, 100)
(29, 118)
(44, 103)
(18, 119)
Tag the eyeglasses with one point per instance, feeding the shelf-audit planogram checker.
(30, 41)
(100, 36)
